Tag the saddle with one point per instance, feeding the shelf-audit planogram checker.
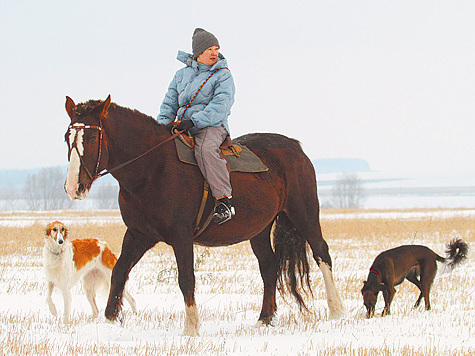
(227, 147)
(239, 157)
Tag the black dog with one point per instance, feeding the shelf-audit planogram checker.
(410, 261)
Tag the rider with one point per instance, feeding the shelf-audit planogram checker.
(206, 115)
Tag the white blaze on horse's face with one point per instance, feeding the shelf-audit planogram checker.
(71, 185)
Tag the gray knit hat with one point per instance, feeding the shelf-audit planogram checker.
(202, 40)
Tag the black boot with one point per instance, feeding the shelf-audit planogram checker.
(223, 211)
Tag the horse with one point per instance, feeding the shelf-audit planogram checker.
(159, 200)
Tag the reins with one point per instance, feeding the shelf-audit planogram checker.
(116, 168)
(93, 176)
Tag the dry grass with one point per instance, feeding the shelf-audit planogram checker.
(229, 291)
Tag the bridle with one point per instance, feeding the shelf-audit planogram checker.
(80, 126)
(96, 174)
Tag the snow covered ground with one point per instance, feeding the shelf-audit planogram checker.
(229, 294)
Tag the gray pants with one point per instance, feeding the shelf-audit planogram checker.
(212, 166)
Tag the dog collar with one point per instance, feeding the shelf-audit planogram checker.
(54, 253)
(372, 270)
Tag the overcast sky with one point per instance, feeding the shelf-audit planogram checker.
(392, 82)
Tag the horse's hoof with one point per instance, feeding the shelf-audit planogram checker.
(264, 323)
(337, 313)
(115, 321)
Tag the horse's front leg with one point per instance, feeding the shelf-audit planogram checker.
(186, 280)
(133, 248)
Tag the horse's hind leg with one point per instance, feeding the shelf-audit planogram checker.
(308, 226)
(268, 266)
(133, 248)
(322, 257)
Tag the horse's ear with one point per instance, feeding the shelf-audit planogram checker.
(103, 107)
(70, 106)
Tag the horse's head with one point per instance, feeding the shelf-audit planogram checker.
(87, 154)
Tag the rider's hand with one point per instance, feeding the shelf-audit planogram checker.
(184, 125)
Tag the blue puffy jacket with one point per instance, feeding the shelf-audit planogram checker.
(211, 106)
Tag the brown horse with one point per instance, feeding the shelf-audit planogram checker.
(160, 197)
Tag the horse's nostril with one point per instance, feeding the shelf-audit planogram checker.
(81, 187)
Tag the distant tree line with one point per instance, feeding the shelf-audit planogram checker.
(347, 193)
(44, 190)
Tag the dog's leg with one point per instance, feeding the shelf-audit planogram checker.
(412, 277)
(388, 295)
(418, 301)
(67, 304)
(90, 282)
(106, 277)
(427, 277)
(49, 300)
(128, 297)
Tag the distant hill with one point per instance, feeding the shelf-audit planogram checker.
(340, 165)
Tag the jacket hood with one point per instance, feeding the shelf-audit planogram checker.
(187, 59)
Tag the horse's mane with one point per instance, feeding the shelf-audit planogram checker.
(87, 107)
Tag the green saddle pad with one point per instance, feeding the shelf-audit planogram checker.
(246, 162)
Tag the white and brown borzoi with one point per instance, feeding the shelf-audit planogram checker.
(65, 262)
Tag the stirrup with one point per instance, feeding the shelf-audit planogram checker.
(223, 213)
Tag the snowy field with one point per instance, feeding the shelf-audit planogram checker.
(229, 295)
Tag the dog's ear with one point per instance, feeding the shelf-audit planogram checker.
(364, 287)
(382, 287)
(47, 229)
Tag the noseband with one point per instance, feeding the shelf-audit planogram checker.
(77, 127)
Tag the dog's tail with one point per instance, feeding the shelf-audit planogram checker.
(291, 251)
(456, 253)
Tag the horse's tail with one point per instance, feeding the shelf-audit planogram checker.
(456, 253)
(291, 251)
